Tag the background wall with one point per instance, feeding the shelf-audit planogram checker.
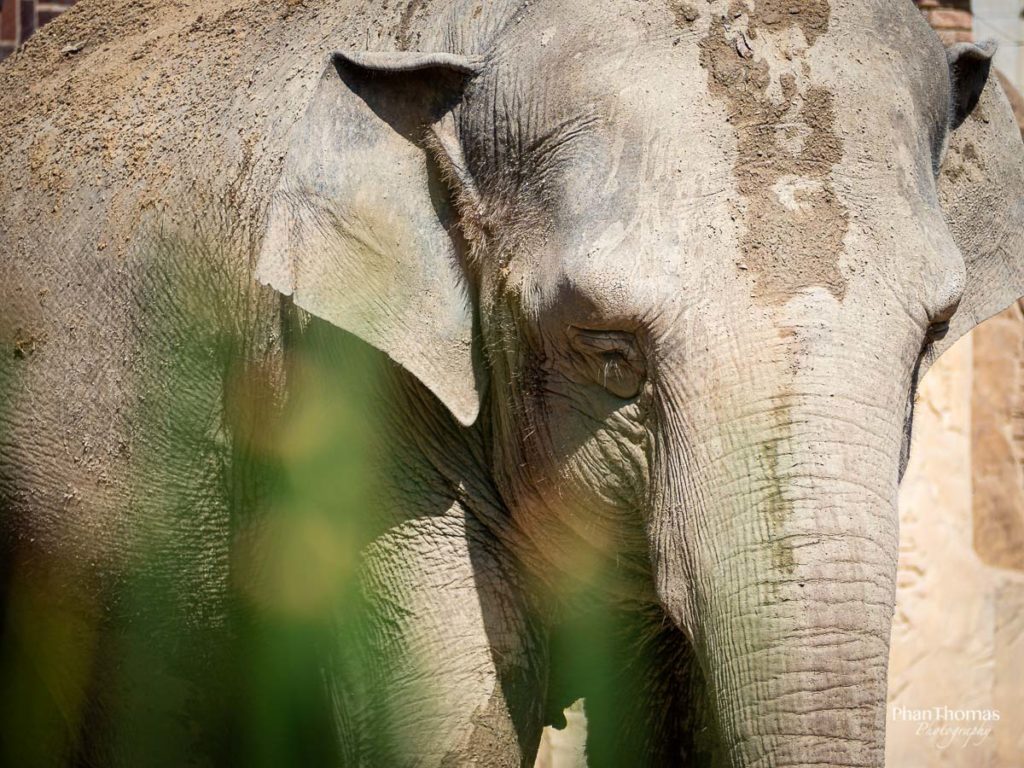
(20, 18)
(950, 18)
(958, 632)
(1001, 20)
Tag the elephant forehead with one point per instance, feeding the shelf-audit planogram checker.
(815, 101)
(771, 128)
(680, 62)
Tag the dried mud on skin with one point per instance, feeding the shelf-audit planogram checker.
(787, 148)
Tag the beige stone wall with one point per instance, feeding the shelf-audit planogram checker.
(565, 748)
(958, 631)
(950, 18)
(997, 435)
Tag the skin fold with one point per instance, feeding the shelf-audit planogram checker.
(623, 306)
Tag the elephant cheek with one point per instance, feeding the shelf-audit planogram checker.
(574, 486)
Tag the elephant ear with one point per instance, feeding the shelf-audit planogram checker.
(359, 227)
(981, 188)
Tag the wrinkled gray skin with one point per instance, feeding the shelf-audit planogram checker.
(659, 278)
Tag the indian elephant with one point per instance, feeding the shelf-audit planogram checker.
(645, 287)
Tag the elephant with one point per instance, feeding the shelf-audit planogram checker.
(634, 297)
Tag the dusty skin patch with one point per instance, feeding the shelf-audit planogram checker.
(811, 16)
(785, 129)
(24, 344)
(684, 14)
(490, 736)
(406, 20)
(778, 508)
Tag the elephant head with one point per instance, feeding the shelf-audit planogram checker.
(685, 268)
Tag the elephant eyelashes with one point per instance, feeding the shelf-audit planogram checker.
(611, 359)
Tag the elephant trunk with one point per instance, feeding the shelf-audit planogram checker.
(777, 556)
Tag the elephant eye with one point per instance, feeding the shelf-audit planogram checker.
(610, 359)
(937, 331)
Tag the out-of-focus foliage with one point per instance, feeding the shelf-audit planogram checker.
(229, 626)
(214, 637)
